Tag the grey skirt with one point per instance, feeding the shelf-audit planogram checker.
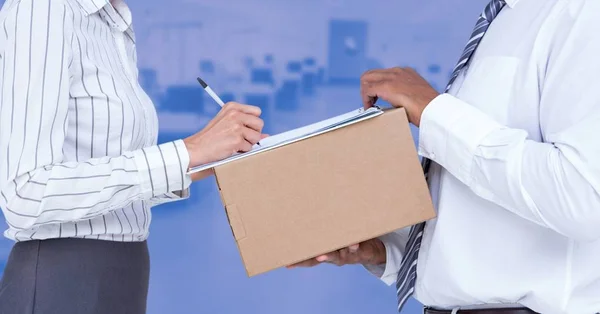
(75, 276)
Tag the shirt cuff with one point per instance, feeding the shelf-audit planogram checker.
(169, 197)
(451, 131)
(162, 170)
(388, 273)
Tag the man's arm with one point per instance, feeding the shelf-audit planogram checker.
(555, 183)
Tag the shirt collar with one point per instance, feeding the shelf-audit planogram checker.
(92, 6)
(511, 3)
(116, 14)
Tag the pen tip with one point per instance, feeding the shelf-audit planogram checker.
(202, 83)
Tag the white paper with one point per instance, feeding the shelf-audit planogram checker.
(299, 134)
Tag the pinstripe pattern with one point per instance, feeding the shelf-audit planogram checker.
(77, 132)
(407, 275)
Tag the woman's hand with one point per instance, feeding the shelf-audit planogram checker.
(236, 128)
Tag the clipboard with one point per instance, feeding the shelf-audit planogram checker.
(298, 134)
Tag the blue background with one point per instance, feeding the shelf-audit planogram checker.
(300, 60)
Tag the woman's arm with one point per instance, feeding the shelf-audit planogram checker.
(36, 186)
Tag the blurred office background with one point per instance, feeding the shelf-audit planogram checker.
(300, 60)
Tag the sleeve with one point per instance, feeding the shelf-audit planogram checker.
(184, 191)
(554, 183)
(170, 197)
(177, 154)
(395, 246)
(36, 186)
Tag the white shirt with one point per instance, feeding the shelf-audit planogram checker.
(517, 179)
(78, 154)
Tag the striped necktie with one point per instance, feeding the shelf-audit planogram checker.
(407, 275)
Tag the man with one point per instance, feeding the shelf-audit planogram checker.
(515, 168)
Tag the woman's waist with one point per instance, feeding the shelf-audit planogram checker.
(128, 224)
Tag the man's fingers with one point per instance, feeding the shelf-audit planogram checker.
(368, 101)
(322, 258)
(369, 94)
(308, 263)
(329, 257)
(333, 258)
(369, 89)
(350, 255)
(344, 256)
(340, 257)
(326, 258)
(374, 75)
(353, 254)
(375, 85)
(365, 82)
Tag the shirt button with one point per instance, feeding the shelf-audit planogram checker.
(431, 155)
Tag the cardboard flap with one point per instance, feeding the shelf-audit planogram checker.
(236, 222)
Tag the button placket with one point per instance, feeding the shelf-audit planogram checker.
(120, 41)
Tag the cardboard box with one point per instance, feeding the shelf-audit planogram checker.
(324, 193)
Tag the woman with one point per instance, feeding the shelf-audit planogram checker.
(79, 164)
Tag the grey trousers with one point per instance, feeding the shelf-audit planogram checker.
(75, 276)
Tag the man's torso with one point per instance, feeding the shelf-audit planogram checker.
(477, 252)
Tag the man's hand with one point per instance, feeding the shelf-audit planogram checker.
(236, 128)
(370, 252)
(401, 87)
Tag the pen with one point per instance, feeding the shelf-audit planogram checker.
(213, 95)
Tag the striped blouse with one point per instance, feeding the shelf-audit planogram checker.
(78, 153)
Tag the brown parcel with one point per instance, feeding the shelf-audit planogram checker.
(323, 193)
